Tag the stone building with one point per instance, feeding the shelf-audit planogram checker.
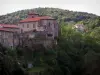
(40, 23)
(8, 35)
(40, 29)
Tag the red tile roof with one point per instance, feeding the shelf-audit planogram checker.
(36, 19)
(4, 26)
(9, 26)
(30, 20)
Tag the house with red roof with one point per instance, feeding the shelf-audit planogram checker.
(44, 29)
(39, 23)
(7, 34)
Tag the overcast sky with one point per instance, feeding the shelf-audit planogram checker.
(91, 6)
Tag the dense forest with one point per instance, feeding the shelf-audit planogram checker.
(77, 53)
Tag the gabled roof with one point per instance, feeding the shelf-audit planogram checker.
(36, 19)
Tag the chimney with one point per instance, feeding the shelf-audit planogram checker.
(32, 14)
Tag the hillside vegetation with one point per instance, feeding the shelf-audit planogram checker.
(54, 12)
(77, 53)
(70, 17)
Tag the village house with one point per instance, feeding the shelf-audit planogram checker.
(40, 29)
(79, 27)
(7, 35)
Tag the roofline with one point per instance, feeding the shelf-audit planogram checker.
(28, 21)
(8, 26)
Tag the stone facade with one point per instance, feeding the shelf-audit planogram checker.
(41, 29)
(47, 24)
(8, 35)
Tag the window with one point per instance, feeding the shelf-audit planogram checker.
(40, 23)
(49, 24)
(49, 35)
(33, 25)
(21, 30)
(27, 25)
(23, 25)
